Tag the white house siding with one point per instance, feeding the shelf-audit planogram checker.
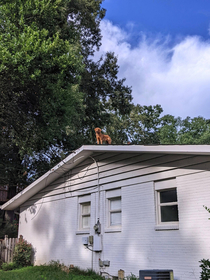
(49, 220)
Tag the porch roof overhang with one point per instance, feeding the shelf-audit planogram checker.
(87, 150)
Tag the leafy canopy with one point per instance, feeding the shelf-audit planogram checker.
(39, 71)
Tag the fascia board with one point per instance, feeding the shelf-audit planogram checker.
(79, 155)
(167, 149)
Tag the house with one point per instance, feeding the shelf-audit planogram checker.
(126, 207)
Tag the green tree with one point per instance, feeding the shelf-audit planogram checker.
(139, 126)
(104, 94)
(143, 124)
(194, 131)
(84, 16)
(39, 72)
(53, 92)
(169, 128)
(40, 68)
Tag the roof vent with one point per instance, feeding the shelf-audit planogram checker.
(156, 274)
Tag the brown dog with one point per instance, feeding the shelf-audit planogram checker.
(102, 137)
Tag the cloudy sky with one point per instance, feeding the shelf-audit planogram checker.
(163, 50)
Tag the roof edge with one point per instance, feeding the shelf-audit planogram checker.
(171, 149)
(54, 173)
(86, 150)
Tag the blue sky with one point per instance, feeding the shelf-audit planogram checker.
(174, 17)
(163, 50)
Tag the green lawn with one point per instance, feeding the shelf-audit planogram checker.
(47, 273)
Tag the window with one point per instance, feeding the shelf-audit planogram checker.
(114, 210)
(167, 204)
(84, 213)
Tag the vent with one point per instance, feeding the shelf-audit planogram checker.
(156, 275)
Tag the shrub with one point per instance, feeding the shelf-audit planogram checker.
(9, 266)
(205, 266)
(132, 277)
(85, 272)
(22, 253)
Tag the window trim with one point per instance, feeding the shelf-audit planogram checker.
(164, 186)
(119, 210)
(111, 196)
(83, 200)
(82, 215)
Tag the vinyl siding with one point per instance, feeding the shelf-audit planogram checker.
(49, 220)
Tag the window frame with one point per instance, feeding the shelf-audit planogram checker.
(113, 195)
(114, 211)
(83, 201)
(83, 215)
(161, 186)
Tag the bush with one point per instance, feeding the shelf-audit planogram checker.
(132, 277)
(23, 253)
(85, 272)
(9, 266)
(205, 266)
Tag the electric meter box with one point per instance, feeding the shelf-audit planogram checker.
(97, 247)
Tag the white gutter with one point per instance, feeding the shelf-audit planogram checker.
(82, 153)
(166, 149)
(68, 163)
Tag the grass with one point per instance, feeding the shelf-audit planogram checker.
(48, 272)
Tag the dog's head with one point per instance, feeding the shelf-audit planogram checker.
(97, 130)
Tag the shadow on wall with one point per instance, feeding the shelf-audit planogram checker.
(51, 228)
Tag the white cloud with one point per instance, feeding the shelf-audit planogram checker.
(175, 76)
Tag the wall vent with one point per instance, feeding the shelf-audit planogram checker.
(156, 274)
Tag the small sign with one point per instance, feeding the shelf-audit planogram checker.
(147, 277)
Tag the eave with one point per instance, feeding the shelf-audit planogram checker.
(87, 150)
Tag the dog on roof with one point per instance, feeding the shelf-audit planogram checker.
(100, 137)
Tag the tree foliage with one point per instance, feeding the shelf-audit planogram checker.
(104, 94)
(146, 125)
(205, 269)
(194, 131)
(140, 126)
(40, 68)
(39, 72)
(53, 92)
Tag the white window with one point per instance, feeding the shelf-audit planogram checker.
(84, 213)
(114, 210)
(167, 204)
